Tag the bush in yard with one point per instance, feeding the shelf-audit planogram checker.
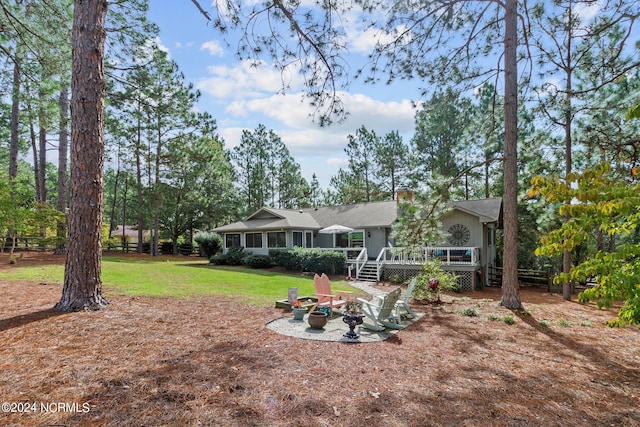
(312, 260)
(234, 256)
(430, 292)
(208, 243)
(219, 259)
(258, 261)
(291, 259)
(329, 262)
(278, 256)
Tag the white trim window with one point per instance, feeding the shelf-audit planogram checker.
(253, 240)
(276, 239)
(231, 240)
(297, 238)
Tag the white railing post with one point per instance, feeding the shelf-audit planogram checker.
(380, 261)
(361, 261)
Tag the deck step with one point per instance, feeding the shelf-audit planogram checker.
(369, 273)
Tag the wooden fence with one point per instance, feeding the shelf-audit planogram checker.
(48, 244)
(541, 278)
(29, 244)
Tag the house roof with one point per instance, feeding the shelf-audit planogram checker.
(269, 219)
(357, 215)
(129, 230)
(487, 210)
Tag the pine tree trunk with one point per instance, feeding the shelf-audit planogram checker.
(139, 185)
(510, 291)
(15, 113)
(63, 144)
(34, 149)
(114, 200)
(82, 284)
(42, 159)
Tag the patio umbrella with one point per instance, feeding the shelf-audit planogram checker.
(335, 229)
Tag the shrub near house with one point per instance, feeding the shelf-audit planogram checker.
(311, 260)
(208, 243)
(296, 259)
(233, 256)
(257, 261)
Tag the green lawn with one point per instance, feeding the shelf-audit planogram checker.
(182, 279)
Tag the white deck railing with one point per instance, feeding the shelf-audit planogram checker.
(411, 256)
(449, 255)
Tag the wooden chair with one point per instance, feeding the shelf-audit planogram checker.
(382, 311)
(327, 297)
(402, 305)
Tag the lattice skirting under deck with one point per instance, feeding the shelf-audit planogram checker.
(404, 274)
(465, 279)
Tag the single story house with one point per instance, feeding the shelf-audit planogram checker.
(128, 234)
(370, 249)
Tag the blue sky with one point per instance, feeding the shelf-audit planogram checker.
(241, 97)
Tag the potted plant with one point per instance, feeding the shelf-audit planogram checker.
(298, 310)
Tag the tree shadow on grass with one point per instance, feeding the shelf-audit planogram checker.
(25, 319)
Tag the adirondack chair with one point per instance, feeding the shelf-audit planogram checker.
(382, 312)
(327, 297)
(402, 305)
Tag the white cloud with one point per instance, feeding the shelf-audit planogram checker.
(244, 80)
(290, 118)
(313, 141)
(294, 112)
(231, 136)
(588, 12)
(213, 47)
(365, 40)
(250, 97)
(339, 162)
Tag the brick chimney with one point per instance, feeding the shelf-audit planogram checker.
(403, 193)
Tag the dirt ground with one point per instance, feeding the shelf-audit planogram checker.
(208, 361)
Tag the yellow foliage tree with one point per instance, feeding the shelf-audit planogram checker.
(594, 200)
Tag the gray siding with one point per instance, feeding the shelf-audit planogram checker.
(376, 242)
(471, 222)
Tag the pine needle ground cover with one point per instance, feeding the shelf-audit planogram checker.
(210, 360)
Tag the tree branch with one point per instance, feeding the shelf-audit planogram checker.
(202, 11)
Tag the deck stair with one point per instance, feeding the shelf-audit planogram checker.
(369, 272)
